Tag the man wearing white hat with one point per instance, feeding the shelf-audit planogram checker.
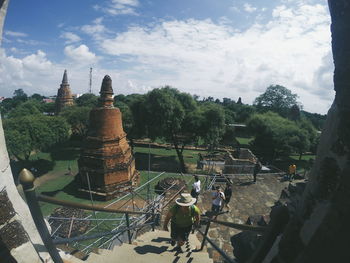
(183, 216)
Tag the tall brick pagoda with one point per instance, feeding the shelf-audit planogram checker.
(106, 159)
(64, 96)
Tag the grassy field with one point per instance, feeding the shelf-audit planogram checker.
(244, 141)
(190, 156)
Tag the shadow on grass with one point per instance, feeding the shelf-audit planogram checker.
(158, 163)
(38, 167)
(64, 153)
(71, 191)
(51, 193)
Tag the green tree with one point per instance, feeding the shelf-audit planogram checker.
(7, 105)
(139, 111)
(30, 107)
(87, 100)
(277, 136)
(167, 111)
(48, 108)
(78, 119)
(311, 134)
(20, 94)
(294, 113)
(37, 97)
(213, 126)
(278, 99)
(25, 135)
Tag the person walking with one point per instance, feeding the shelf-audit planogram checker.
(218, 196)
(184, 215)
(257, 169)
(228, 194)
(196, 188)
(292, 171)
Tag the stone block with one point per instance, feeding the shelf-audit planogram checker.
(25, 254)
(13, 235)
(6, 208)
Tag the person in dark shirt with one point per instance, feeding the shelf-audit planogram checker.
(228, 194)
(257, 169)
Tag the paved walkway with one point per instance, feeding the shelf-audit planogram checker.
(247, 199)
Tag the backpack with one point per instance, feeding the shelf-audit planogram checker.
(193, 210)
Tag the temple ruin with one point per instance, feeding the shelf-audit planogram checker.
(64, 96)
(106, 164)
(241, 162)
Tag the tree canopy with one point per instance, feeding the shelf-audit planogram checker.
(30, 133)
(87, 100)
(277, 98)
(277, 136)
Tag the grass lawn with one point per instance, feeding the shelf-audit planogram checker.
(190, 156)
(244, 141)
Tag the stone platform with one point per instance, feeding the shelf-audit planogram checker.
(247, 199)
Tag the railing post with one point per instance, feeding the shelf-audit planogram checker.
(205, 235)
(128, 225)
(153, 217)
(26, 178)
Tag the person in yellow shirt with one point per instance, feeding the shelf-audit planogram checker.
(292, 171)
(183, 216)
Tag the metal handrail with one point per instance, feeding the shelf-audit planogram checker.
(212, 183)
(58, 241)
(48, 199)
(208, 220)
(216, 247)
(243, 227)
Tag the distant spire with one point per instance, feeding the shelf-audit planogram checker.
(65, 78)
(106, 98)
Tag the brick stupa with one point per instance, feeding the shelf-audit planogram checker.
(106, 158)
(64, 96)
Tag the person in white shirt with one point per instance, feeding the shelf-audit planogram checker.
(196, 188)
(218, 196)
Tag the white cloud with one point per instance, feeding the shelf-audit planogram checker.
(96, 29)
(31, 73)
(80, 54)
(235, 9)
(199, 56)
(119, 7)
(70, 37)
(37, 62)
(15, 34)
(29, 42)
(249, 8)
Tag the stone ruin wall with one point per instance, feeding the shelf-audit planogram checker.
(244, 164)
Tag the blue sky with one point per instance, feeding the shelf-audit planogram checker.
(216, 48)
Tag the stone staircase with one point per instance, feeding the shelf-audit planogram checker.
(148, 248)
